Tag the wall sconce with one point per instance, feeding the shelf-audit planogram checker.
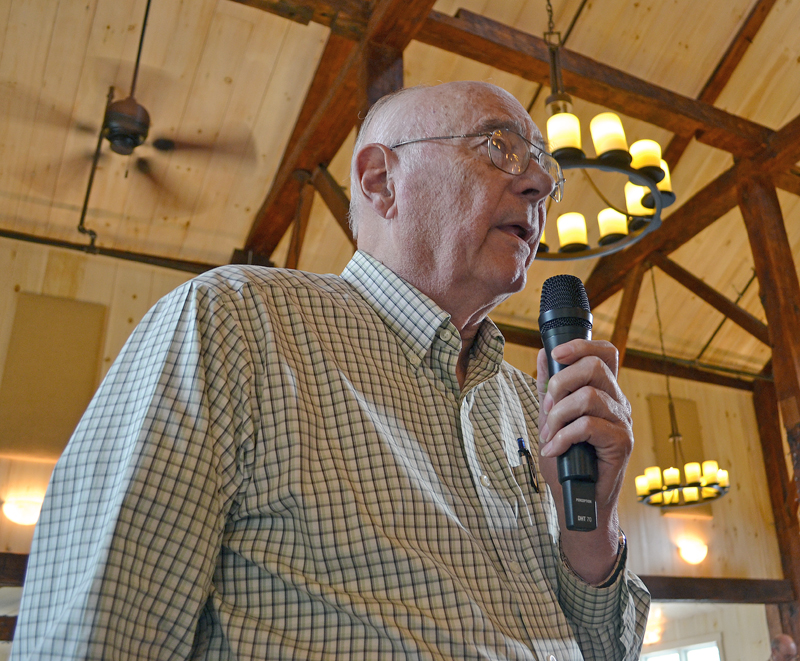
(692, 550)
(23, 511)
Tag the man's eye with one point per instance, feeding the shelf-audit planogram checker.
(500, 145)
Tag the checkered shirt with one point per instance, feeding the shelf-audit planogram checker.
(282, 465)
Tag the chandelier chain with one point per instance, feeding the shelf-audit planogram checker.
(551, 26)
(660, 329)
(677, 449)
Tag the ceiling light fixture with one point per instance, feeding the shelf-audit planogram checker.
(23, 511)
(702, 483)
(692, 551)
(647, 192)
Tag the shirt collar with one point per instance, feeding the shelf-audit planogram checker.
(405, 310)
(411, 315)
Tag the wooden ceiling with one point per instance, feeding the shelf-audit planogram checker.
(277, 87)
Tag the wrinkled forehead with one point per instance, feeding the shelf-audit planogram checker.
(452, 109)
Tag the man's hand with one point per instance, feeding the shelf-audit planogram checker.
(583, 402)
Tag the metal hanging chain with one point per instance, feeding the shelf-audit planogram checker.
(675, 437)
(724, 319)
(660, 329)
(551, 26)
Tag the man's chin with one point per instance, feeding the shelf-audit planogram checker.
(516, 284)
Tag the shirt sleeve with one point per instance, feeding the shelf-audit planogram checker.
(609, 621)
(130, 531)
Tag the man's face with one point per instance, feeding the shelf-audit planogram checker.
(463, 221)
(787, 651)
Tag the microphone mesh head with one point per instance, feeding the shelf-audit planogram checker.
(564, 291)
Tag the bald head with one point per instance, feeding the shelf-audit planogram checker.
(417, 112)
(783, 648)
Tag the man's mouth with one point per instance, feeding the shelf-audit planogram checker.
(520, 231)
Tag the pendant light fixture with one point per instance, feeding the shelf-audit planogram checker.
(649, 187)
(701, 483)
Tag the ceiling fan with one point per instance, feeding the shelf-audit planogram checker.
(126, 125)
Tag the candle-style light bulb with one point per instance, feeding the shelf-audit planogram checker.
(653, 474)
(563, 132)
(692, 472)
(613, 226)
(607, 134)
(572, 232)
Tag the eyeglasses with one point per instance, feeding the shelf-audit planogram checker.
(511, 153)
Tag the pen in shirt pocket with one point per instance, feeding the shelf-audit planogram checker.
(525, 457)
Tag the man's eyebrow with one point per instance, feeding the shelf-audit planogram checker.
(490, 124)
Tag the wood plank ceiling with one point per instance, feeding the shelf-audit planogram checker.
(276, 86)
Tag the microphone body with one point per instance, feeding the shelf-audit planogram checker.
(564, 316)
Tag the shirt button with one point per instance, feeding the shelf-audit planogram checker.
(515, 567)
(445, 335)
(485, 481)
(551, 658)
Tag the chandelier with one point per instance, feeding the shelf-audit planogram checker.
(701, 483)
(647, 192)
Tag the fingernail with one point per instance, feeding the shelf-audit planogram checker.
(562, 351)
(547, 404)
(546, 450)
(544, 434)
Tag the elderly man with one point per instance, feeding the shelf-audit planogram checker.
(290, 466)
(783, 648)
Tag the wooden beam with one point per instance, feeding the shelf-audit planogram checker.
(780, 295)
(683, 369)
(12, 569)
(331, 110)
(345, 18)
(723, 72)
(334, 197)
(508, 49)
(728, 308)
(783, 497)
(525, 55)
(698, 212)
(300, 225)
(788, 181)
(630, 295)
(719, 590)
(316, 137)
(783, 151)
(7, 626)
(736, 50)
(382, 72)
(12, 575)
(526, 337)
(701, 210)
(642, 361)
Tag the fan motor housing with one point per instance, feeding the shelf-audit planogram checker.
(126, 125)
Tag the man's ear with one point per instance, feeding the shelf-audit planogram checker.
(373, 172)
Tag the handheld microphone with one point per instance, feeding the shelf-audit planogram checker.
(563, 316)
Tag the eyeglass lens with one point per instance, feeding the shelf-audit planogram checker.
(511, 153)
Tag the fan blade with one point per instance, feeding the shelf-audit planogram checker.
(241, 147)
(71, 172)
(168, 195)
(21, 103)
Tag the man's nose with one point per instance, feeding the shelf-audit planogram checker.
(535, 182)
